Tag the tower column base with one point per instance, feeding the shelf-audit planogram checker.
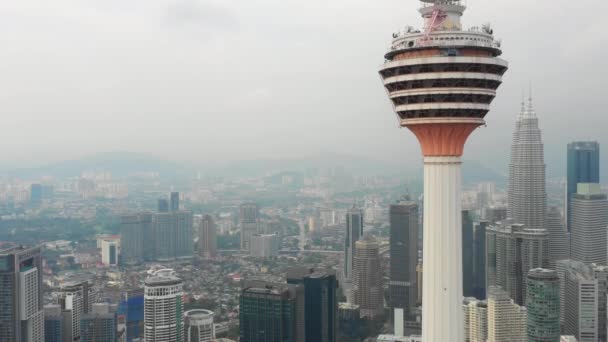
(442, 316)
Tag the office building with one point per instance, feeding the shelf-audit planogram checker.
(583, 166)
(465, 64)
(543, 305)
(526, 193)
(135, 238)
(249, 220)
(173, 235)
(354, 231)
(350, 323)
(198, 326)
(99, 325)
(53, 323)
(21, 310)
(271, 312)
(110, 252)
(581, 294)
(559, 238)
(589, 222)
(467, 253)
(368, 290)
(478, 261)
(76, 300)
(506, 320)
(207, 237)
(163, 307)
(475, 320)
(403, 292)
(512, 251)
(264, 245)
(174, 201)
(321, 303)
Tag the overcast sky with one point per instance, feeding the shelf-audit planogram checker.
(243, 79)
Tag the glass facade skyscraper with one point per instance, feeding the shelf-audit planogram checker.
(543, 306)
(583, 166)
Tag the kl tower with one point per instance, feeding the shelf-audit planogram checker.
(441, 81)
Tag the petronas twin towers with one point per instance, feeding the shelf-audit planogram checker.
(527, 197)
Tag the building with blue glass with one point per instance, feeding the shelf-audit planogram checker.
(583, 166)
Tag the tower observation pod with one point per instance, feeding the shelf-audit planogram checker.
(441, 80)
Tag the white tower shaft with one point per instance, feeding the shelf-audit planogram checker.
(442, 316)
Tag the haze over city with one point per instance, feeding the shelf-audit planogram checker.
(230, 80)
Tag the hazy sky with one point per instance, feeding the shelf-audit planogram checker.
(242, 79)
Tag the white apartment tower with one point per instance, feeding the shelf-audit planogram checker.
(163, 307)
(507, 321)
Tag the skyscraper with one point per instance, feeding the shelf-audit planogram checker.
(207, 237)
(475, 320)
(512, 251)
(526, 195)
(21, 307)
(133, 230)
(581, 296)
(368, 289)
(506, 320)
(99, 325)
(559, 238)
(583, 167)
(109, 252)
(264, 245)
(441, 81)
(175, 201)
(249, 221)
(321, 303)
(478, 248)
(198, 326)
(543, 306)
(589, 222)
(271, 312)
(163, 307)
(354, 231)
(404, 256)
(75, 300)
(467, 253)
(173, 236)
(53, 323)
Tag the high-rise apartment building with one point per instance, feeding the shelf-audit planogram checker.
(21, 307)
(207, 237)
(475, 320)
(512, 251)
(543, 305)
(163, 307)
(198, 326)
(271, 312)
(320, 302)
(583, 166)
(589, 222)
(441, 80)
(581, 295)
(403, 290)
(173, 235)
(559, 238)
(249, 220)
(99, 325)
(110, 252)
(506, 320)
(135, 238)
(264, 245)
(526, 193)
(75, 300)
(368, 290)
(354, 231)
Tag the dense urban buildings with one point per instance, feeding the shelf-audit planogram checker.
(249, 220)
(403, 290)
(588, 220)
(428, 76)
(583, 166)
(199, 326)
(163, 307)
(542, 303)
(21, 306)
(512, 251)
(207, 237)
(527, 196)
(368, 291)
(320, 302)
(272, 312)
